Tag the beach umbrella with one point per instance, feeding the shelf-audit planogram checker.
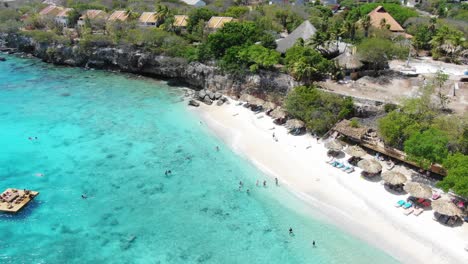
(278, 113)
(446, 208)
(355, 151)
(246, 98)
(393, 177)
(334, 145)
(370, 166)
(257, 101)
(419, 190)
(294, 124)
(349, 61)
(269, 106)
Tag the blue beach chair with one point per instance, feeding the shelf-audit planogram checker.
(400, 203)
(407, 205)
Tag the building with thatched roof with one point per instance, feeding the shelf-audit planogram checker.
(93, 15)
(62, 17)
(349, 60)
(354, 133)
(180, 21)
(50, 11)
(119, 15)
(304, 31)
(217, 22)
(149, 19)
(379, 15)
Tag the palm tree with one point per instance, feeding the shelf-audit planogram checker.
(366, 24)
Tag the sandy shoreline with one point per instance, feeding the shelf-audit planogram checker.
(344, 199)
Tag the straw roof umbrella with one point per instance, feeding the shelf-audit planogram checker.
(446, 208)
(349, 61)
(294, 124)
(419, 190)
(334, 145)
(257, 101)
(370, 166)
(269, 106)
(246, 98)
(355, 151)
(394, 178)
(278, 113)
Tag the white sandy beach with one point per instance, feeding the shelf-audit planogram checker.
(360, 207)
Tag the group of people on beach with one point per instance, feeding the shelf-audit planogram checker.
(241, 184)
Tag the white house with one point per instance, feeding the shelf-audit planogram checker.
(196, 3)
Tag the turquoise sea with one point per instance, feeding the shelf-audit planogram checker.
(112, 137)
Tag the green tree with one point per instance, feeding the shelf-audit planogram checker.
(448, 42)
(457, 174)
(366, 24)
(427, 147)
(198, 14)
(422, 37)
(257, 56)
(378, 51)
(306, 64)
(73, 17)
(232, 34)
(319, 110)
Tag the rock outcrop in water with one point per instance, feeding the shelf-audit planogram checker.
(130, 59)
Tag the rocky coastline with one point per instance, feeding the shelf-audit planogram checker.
(268, 85)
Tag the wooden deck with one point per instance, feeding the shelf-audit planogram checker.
(13, 200)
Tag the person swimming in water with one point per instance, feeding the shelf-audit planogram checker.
(83, 196)
(291, 231)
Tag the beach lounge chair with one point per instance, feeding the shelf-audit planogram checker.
(408, 211)
(331, 160)
(340, 165)
(418, 211)
(335, 163)
(400, 203)
(407, 205)
(346, 167)
(435, 196)
(351, 170)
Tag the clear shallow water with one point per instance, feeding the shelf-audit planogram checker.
(111, 137)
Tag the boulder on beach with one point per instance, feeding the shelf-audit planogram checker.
(210, 94)
(194, 103)
(219, 102)
(217, 95)
(201, 94)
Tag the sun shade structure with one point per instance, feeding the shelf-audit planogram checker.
(379, 14)
(304, 31)
(446, 208)
(393, 177)
(334, 145)
(292, 124)
(355, 151)
(418, 190)
(149, 19)
(370, 166)
(180, 21)
(278, 113)
(218, 22)
(348, 61)
(119, 15)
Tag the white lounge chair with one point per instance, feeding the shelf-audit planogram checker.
(418, 211)
(408, 211)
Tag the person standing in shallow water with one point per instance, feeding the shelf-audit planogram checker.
(291, 231)
(313, 243)
(276, 181)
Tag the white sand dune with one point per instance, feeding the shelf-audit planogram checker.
(358, 206)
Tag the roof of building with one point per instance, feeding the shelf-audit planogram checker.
(380, 13)
(120, 15)
(93, 14)
(64, 12)
(344, 127)
(52, 10)
(218, 22)
(304, 31)
(149, 17)
(180, 21)
(194, 2)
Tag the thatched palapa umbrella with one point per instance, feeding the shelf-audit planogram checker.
(446, 208)
(418, 190)
(394, 178)
(334, 145)
(292, 124)
(278, 113)
(257, 101)
(246, 98)
(349, 61)
(268, 106)
(370, 166)
(355, 151)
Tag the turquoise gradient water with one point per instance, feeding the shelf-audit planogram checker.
(112, 137)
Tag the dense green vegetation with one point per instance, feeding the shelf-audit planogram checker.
(319, 110)
(398, 12)
(457, 178)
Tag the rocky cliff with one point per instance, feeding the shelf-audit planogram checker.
(265, 84)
